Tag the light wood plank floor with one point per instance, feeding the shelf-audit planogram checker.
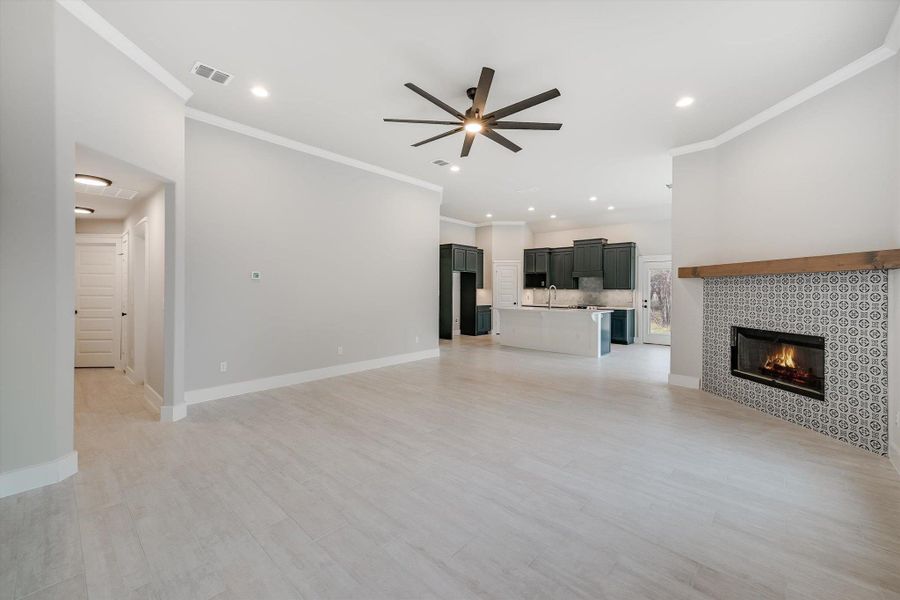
(488, 473)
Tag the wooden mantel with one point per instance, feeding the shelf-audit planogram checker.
(875, 260)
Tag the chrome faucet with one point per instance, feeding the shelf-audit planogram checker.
(550, 291)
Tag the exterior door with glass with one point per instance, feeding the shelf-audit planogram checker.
(656, 300)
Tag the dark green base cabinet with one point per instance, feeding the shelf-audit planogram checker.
(622, 326)
(482, 319)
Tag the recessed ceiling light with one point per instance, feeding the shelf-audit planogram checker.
(454, 168)
(530, 209)
(552, 216)
(593, 198)
(92, 180)
(259, 91)
(610, 208)
(83, 210)
(473, 126)
(684, 102)
(489, 215)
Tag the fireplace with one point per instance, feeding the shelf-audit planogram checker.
(788, 361)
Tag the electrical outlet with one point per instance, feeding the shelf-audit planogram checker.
(223, 366)
(340, 349)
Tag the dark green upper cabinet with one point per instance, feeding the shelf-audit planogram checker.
(537, 261)
(479, 271)
(562, 263)
(459, 258)
(471, 260)
(619, 266)
(588, 258)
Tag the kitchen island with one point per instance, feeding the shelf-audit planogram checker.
(566, 330)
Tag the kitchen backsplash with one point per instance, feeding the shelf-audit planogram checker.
(590, 292)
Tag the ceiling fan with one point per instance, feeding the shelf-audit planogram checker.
(476, 121)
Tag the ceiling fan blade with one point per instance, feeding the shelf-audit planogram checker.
(435, 101)
(467, 144)
(493, 135)
(427, 122)
(525, 125)
(523, 104)
(437, 137)
(481, 92)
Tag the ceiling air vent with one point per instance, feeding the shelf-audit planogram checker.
(440, 162)
(211, 73)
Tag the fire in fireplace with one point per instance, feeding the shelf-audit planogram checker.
(788, 361)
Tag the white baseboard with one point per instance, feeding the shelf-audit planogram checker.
(132, 376)
(684, 381)
(152, 398)
(268, 383)
(35, 476)
(170, 414)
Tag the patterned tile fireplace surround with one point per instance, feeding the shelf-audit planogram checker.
(848, 309)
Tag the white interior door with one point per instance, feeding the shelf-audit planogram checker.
(656, 301)
(96, 302)
(506, 288)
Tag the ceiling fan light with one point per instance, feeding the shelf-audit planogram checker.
(473, 126)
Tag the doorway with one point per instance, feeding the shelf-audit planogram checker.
(656, 299)
(136, 307)
(97, 299)
(507, 288)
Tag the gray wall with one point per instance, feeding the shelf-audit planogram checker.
(348, 258)
(819, 179)
(56, 103)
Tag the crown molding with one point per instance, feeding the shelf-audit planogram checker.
(96, 23)
(486, 223)
(457, 221)
(278, 140)
(889, 48)
(877, 56)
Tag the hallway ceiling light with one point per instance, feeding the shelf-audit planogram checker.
(489, 215)
(552, 216)
(530, 209)
(259, 91)
(92, 180)
(454, 168)
(83, 210)
(593, 198)
(684, 102)
(610, 208)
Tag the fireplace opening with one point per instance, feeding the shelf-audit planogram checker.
(788, 361)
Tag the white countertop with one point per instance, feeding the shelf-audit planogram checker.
(562, 309)
(567, 330)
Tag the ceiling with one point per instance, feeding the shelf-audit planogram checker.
(130, 185)
(335, 69)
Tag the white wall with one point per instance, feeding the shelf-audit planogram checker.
(819, 179)
(348, 258)
(153, 209)
(651, 237)
(894, 328)
(63, 73)
(456, 233)
(99, 226)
